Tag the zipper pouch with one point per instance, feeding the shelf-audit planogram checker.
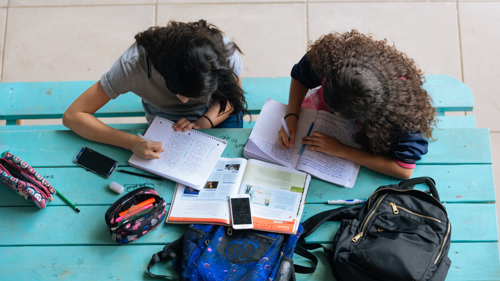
(135, 214)
(25, 181)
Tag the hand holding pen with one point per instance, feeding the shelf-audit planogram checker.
(287, 133)
(146, 148)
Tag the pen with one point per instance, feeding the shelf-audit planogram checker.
(67, 201)
(135, 212)
(304, 146)
(144, 138)
(140, 175)
(347, 202)
(285, 127)
(142, 204)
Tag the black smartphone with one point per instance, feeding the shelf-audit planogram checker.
(241, 212)
(95, 162)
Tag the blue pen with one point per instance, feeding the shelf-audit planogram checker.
(304, 146)
(347, 202)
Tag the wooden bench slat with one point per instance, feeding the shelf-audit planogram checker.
(57, 148)
(455, 183)
(461, 217)
(39, 100)
(470, 261)
(456, 122)
(58, 225)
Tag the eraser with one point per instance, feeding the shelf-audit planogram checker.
(116, 187)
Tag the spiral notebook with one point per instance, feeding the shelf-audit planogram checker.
(189, 157)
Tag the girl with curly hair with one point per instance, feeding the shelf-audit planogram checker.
(372, 82)
(186, 72)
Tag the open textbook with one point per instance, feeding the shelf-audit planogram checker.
(277, 195)
(263, 143)
(189, 157)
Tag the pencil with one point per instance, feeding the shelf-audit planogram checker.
(140, 175)
(144, 138)
(67, 201)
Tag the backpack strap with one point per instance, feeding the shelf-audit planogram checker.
(339, 214)
(169, 252)
(410, 184)
(310, 225)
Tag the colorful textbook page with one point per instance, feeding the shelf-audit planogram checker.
(263, 143)
(189, 157)
(277, 195)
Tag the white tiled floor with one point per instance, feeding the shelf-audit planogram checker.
(49, 40)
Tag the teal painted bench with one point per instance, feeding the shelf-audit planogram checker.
(57, 243)
(45, 100)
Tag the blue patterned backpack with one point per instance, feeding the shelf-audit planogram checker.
(210, 252)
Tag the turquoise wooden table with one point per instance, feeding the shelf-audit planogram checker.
(59, 244)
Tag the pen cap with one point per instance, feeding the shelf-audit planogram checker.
(116, 187)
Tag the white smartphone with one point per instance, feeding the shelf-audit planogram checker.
(241, 212)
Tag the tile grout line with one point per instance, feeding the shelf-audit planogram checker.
(4, 38)
(460, 46)
(307, 24)
(460, 42)
(156, 14)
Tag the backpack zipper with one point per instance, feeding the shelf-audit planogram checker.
(444, 241)
(356, 238)
(396, 211)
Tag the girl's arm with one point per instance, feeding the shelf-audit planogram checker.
(380, 163)
(78, 117)
(297, 94)
(212, 113)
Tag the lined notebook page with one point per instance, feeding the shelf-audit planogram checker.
(265, 133)
(189, 157)
(333, 169)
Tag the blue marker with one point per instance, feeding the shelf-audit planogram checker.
(347, 202)
(308, 133)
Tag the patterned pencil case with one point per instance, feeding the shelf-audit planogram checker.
(25, 181)
(128, 222)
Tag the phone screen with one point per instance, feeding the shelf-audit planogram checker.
(96, 162)
(240, 208)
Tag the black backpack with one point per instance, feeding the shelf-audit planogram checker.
(399, 234)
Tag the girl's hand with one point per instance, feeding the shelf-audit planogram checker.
(185, 125)
(284, 141)
(324, 143)
(146, 150)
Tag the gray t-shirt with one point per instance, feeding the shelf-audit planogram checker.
(130, 74)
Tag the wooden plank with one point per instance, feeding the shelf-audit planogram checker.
(59, 225)
(57, 148)
(53, 98)
(449, 91)
(456, 122)
(442, 122)
(470, 261)
(132, 126)
(461, 217)
(455, 183)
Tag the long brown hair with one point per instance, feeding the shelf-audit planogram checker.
(373, 82)
(194, 61)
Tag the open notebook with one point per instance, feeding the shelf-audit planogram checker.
(263, 143)
(189, 157)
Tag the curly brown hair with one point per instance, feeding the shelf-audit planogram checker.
(373, 82)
